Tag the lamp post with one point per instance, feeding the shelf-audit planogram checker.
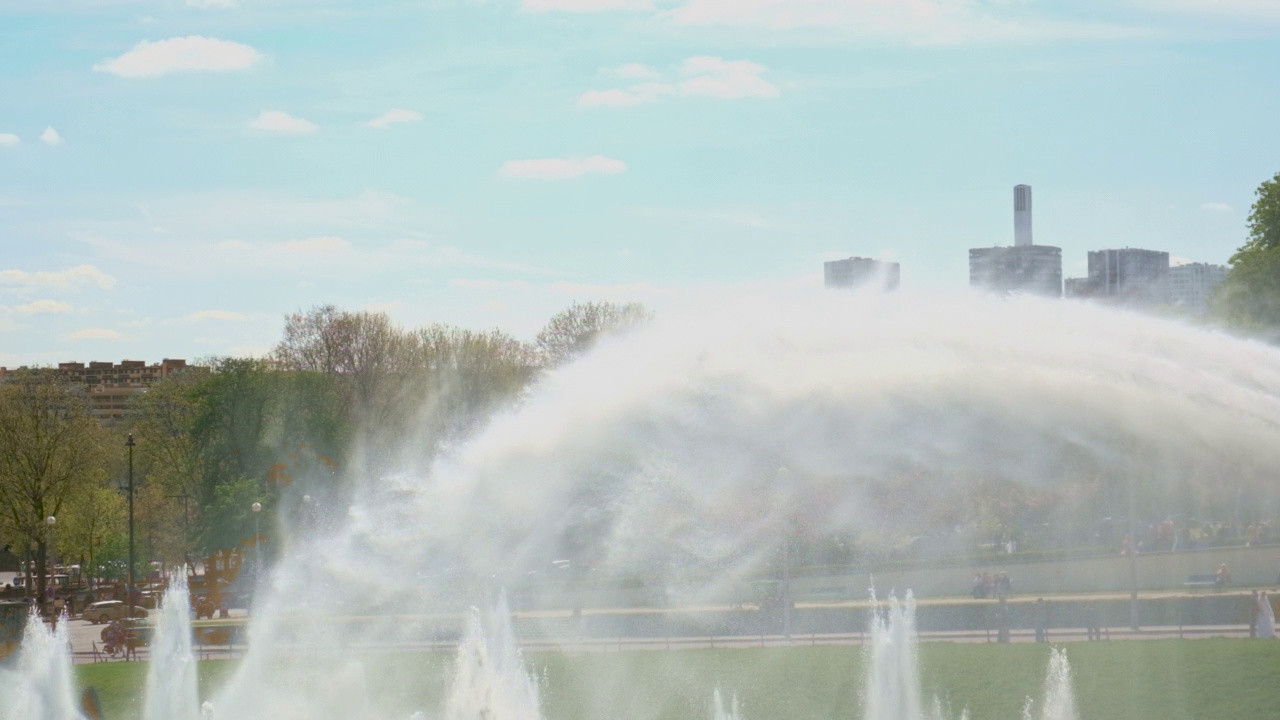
(50, 522)
(307, 510)
(257, 550)
(784, 477)
(1133, 555)
(128, 588)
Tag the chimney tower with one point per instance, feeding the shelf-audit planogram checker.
(1021, 215)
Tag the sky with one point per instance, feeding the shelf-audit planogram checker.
(178, 175)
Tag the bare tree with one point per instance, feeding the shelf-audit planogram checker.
(470, 372)
(573, 331)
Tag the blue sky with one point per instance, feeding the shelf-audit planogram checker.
(176, 175)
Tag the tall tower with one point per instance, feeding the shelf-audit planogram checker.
(1021, 215)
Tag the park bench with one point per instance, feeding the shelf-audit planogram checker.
(1199, 581)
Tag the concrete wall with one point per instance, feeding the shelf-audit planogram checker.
(1250, 567)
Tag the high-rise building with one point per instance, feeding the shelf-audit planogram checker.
(109, 386)
(1021, 215)
(1191, 285)
(1022, 268)
(1129, 276)
(858, 272)
(1029, 269)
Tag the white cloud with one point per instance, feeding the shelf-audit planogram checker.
(9, 139)
(1262, 10)
(562, 168)
(387, 307)
(281, 122)
(705, 76)
(623, 97)
(917, 22)
(584, 5)
(96, 334)
(224, 315)
(632, 71)
(71, 277)
(310, 246)
(181, 54)
(391, 117)
(1218, 207)
(40, 307)
(50, 137)
(716, 77)
(488, 284)
(207, 4)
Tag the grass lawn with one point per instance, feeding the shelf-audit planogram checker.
(1152, 679)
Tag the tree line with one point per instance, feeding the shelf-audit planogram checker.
(339, 389)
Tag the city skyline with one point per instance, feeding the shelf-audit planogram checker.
(175, 177)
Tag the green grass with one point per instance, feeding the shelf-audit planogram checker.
(1155, 680)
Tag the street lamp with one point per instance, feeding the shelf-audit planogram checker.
(128, 588)
(50, 522)
(1133, 554)
(257, 541)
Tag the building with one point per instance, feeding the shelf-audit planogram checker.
(1129, 276)
(1024, 268)
(1021, 215)
(1191, 285)
(857, 272)
(1077, 288)
(1029, 269)
(109, 386)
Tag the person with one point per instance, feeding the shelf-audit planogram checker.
(1002, 621)
(1254, 609)
(1095, 621)
(977, 590)
(1266, 626)
(1221, 577)
(1042, 621)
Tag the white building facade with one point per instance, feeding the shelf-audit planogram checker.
(1191, 285)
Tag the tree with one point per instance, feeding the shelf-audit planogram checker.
(169, 463)
(236, 430)
(470, 373)
(574, 330)
(1250, 296)
(92, 518)
(369, 357)
(50, 449)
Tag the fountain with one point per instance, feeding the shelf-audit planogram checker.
(658, 454)
(720, 712)
(41, 686)
(490, 680)
(893, 677)
(172, 690)
(1059, 692)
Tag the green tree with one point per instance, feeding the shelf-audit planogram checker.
(91, 519)
(50, 449)
(170, 472)
(1250, 296)
(237, 431)
(576, 329)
